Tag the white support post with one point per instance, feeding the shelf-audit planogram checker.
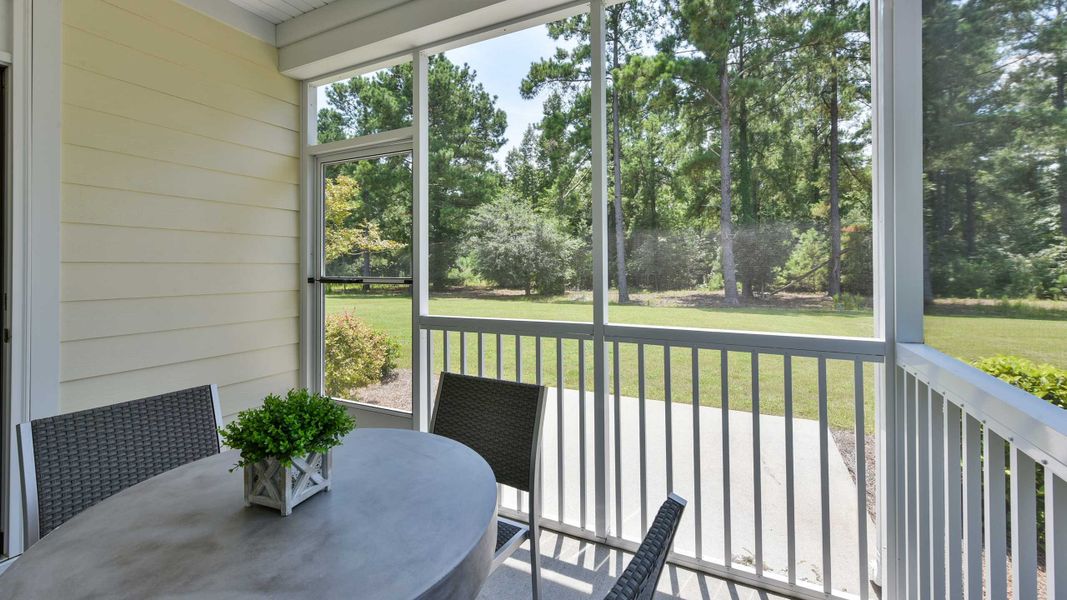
(896, 32)
(599, 134)
(311, 301)
(420, 238)
(34, 147)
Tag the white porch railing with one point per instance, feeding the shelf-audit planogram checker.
(970, 452)
(974, 451)
(771, 502)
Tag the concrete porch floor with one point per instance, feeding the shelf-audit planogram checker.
(576, 569)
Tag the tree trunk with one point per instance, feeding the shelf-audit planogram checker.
(1061, 150)
(366, 259)
(726, 232)
(970, 216)
(834, 287)
(746, 209)
(616, 144)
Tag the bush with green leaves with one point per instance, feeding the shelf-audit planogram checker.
(357, 355)
(516, 247)
(670, 260)
(807, 268)
(284, 428)
(1042, 380)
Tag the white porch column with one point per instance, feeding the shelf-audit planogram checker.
(896, 27)
(420, 243)
(601, 443)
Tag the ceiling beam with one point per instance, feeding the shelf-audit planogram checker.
(236, 17)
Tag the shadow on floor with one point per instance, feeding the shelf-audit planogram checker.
(572, 568)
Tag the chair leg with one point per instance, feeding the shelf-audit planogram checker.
(535, 561)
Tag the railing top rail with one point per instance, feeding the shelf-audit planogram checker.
(1035, 426)
(835, 347)
(564, 329)
(848, 348)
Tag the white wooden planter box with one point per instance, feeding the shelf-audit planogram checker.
(269, 483)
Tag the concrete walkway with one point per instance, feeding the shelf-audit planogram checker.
(844, 568)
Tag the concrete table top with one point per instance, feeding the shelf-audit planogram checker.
(409, 515)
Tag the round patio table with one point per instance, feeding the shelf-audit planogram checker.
(409, 515)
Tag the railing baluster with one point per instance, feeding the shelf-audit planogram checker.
(518, 358)
(724, 380)
(972, 505)
(861, 475)
(667, 420)
(757, 471)
(912, 562)
(430, 384)
(995, 516)
(935, 406)
(481, 354)
(560, 493)
(922, 487)
(642, 436)
(618, 439)
(1023, 525)
(581, 432)
(444, 349)
(499, 356)
(463, 352)
(953, 501)
(1055, 535)
(538, 356)
(790, 483)
(518, 378)
(538, 366)
(698, 505)
(824, 477)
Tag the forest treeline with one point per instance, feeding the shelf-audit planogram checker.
(739, 146)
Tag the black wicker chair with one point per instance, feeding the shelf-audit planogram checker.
(638, 581)
(501, 421)
(72, 461)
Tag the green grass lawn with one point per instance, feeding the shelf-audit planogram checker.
(966, 334)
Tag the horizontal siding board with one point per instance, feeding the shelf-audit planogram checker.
(180, 207)
(84, 127)
(104, 243)
(101, 168)
(108, 318)
(104, 356)
(194, 24)
(98, 55)
(142, 35)
(249, 394)
(112, 96)
(102, 281)
(103, 206)
(221, 370)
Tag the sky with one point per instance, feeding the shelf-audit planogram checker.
(501, 63)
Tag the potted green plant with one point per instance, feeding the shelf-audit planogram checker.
(286, 447)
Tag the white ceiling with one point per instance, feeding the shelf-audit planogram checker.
(278, 11)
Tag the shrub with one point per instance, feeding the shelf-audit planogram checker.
(516, 247)
(857, 260)
(807, 264)
(760, 251)
(1044, 381)
(295, 426)
(356, 355)
(670, 260)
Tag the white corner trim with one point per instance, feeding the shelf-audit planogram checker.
(236, 17)
(35, 152)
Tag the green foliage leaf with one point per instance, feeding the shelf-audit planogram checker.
(283, 428)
